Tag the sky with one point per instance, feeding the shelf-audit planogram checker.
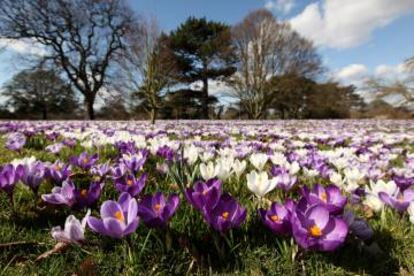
(355, 38)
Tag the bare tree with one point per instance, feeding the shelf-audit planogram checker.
(149, 66)
(265, 48)
(401, 89)
(81, 37)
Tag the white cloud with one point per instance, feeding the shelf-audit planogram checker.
(284, 6)
(22, 47)
(391, 71)
(351, 74)
(345, 24)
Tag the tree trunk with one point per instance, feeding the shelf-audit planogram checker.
(205, 99)
(153, 115)
(44, 113)
(90, 112)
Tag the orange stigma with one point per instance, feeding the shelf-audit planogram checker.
(119, 216)
(275, 218)
(315, 231)
(324, 196)
(130, 182)
(157, 208)
(225, 215)
(84, 193)
(85, 160)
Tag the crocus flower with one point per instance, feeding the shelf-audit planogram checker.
(239, 167)
(156, 210)
(33, 175)
(403, 182)
(259, 183)
(204, 194)
(283, 178)
(226, 214)
(84, 161)
(359, 227)
(55, 148)
(314, 228)
(410, 211)
(101, 169)
(399, 199)
(59, 171)
(15, 141)
(130, 184)
(372, 199)
(330, 197)
(259, 160)
(134, 162)
(73, 231)
(9, 176)
(277, 218)
(208, 171)
(70, 196)
(118, 218)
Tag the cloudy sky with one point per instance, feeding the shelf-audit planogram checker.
(356, 38)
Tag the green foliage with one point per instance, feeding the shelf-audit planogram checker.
(39, 94)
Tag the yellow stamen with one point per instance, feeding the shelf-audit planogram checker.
(324, 196)
(157, 207)
(84, 193)
(119, 216)
(275, 218)
(225, 215)
(85, 160)
(130, 182)
(315, 231)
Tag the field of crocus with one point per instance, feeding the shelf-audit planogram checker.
(205, 197)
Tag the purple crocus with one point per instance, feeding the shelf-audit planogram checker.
(403, 182)
(204, 194)
(70, 196)
(156, 210)
(84, 161)
(58, 171)
(330, 197)
(15, 141)
(9, 176)
(134, 162)
(283, 178)
(226, 214)
(357, 226)
(400, 200)
(277, 218)
(118, 218)
(131, 184)
(314, 228)
(101, 170)
(33, 175)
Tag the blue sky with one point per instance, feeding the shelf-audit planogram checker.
(355, 38)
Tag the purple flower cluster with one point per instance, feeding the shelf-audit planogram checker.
(316, 222)
(220, 210)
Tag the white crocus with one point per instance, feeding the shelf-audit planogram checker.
(410, 211)
(372, 199)
(239, 167)
(191, 154)
(258, 160)
(73, 231)
(223, 168)
(278, 159)
(208, 171)
(259, 183)
(310, 172)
